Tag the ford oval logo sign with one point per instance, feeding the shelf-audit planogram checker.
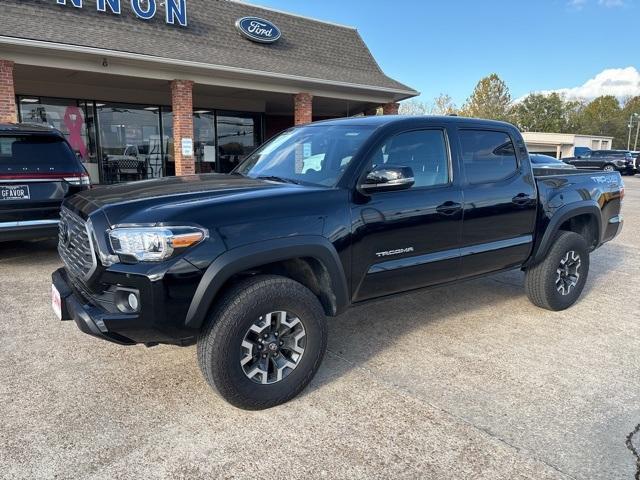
(258, 30)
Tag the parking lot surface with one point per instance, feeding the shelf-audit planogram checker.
(469, 381)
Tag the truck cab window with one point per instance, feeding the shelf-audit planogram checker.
(487, 156)
(425, 151)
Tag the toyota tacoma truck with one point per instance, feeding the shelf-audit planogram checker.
(324, 217)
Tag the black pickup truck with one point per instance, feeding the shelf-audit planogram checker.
(322, 218)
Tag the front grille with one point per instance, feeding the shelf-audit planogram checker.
(75, 246)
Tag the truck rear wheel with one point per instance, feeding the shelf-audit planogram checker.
(557, 282)
(264, 342)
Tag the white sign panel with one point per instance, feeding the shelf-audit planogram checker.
(187, 147)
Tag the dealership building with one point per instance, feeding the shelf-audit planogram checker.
(563, 145)
(151, 88)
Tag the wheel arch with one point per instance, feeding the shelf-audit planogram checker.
(584, 218)
(311, 260)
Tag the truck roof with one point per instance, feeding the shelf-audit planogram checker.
(381, 120)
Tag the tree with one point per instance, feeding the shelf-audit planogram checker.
(603, 116)
(414, 107)
(541, 113)
(631, 106)
(490, 99)
(441, 105)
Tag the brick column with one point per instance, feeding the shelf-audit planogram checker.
(8, 110)
(182, 102)
(303, 108)
(390, 109)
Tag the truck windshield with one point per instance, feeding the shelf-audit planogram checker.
(313, 155)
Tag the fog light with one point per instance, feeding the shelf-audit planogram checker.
(127, 300)
(133, 302)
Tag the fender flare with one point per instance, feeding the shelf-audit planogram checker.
(257, 254)
(585, 207)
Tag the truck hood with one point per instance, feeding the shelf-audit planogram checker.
(172, 188)
(114, 200)
(207, 200)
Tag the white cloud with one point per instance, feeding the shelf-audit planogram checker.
(577, 4)
(580, 4)
(619, 82)
(611, 3)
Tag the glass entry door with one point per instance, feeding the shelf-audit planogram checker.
(238, 135)
(204, 131)
(224, 139)
(131, 142)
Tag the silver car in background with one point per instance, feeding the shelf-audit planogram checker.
(545, 161)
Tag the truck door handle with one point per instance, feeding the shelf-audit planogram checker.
(521, 199)
(449, 208)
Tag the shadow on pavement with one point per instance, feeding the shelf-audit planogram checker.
(10, 250)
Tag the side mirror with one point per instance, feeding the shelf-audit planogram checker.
(388, 178)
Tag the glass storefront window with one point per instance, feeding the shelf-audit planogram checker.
(74, 118)
(122, 142)
(238, 136)
(131, 143)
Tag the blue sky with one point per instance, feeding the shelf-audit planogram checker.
(447, 46)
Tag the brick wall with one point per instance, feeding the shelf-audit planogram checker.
(303, 108)
(390, 109)
(182, 102)
(8, 112)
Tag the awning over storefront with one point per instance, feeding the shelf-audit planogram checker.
(324, 59)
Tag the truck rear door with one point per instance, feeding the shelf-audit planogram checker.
(500, 200)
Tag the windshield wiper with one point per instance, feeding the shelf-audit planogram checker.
(275, 178)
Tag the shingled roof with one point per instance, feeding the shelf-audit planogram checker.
(308, 48)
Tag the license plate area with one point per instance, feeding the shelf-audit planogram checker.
(56, 302)
(14, 192)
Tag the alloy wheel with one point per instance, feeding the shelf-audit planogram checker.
(568, 273)
(273, 347)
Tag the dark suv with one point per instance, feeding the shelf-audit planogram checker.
(38, 170)
(607, 160)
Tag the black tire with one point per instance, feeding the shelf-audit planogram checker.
(220, 343)
(541, 279)
(609, 168)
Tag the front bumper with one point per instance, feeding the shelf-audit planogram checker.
(149, 327)
(89, 319)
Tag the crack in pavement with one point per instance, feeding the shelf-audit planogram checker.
(634, 450)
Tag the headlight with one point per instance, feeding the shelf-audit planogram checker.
(153, 244)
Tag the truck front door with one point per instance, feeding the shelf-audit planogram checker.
(409, 239)
(500, 201)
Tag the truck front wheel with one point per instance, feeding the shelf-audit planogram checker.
(557, 282)
(264, 342)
